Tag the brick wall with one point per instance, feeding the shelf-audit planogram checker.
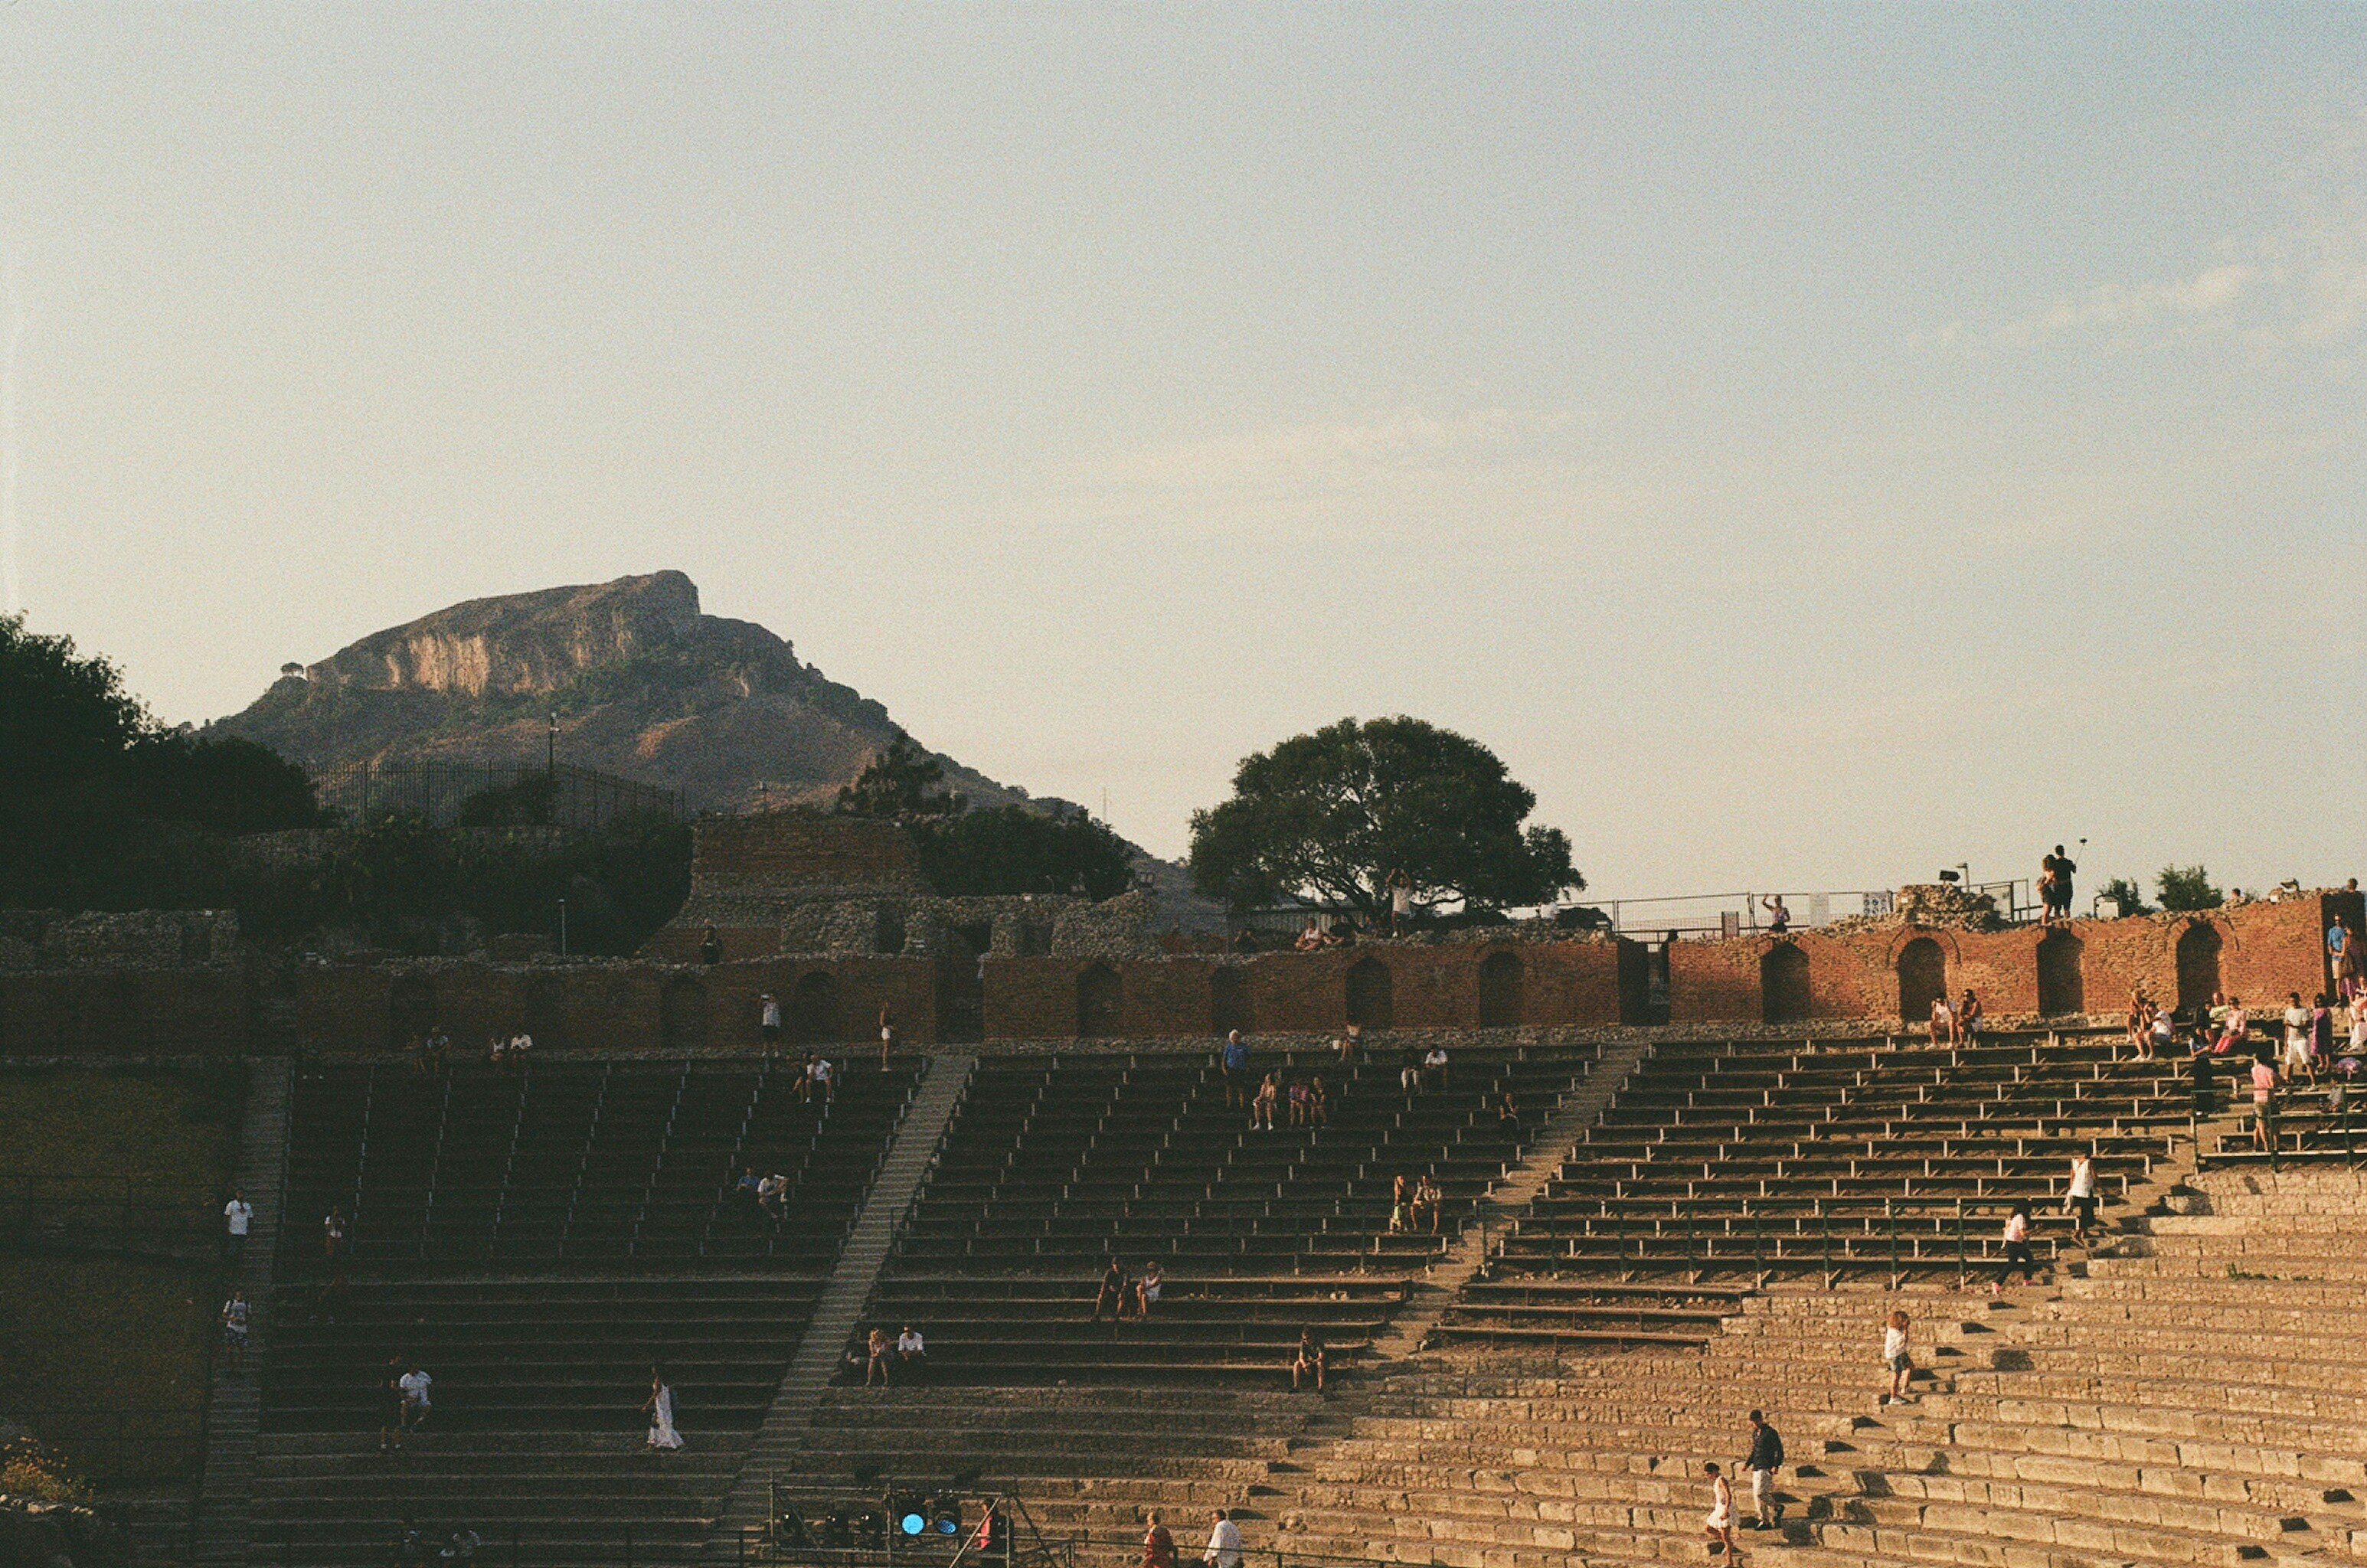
(2087, 967)
(784, 849)
(125, 1012)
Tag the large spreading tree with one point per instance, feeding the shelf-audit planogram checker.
(1330, 817)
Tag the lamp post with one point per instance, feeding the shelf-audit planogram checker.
(551, 755)
(562, 928)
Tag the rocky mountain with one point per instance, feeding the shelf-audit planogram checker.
(643, 684)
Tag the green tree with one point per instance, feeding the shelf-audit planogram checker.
(1330, 816)
(901, 782)
(2126, 894)
(1018, 848)
(2186, 887)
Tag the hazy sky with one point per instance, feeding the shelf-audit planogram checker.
(1811, 446)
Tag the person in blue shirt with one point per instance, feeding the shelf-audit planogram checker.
(1236, 1070)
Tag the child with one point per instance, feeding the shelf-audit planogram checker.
(1720, 1526)
(1894, 1357)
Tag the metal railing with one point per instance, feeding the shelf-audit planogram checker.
(437, 790)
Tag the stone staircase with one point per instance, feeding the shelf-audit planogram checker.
(775, 1449)
(234, 1402)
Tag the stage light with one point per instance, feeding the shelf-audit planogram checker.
(913, 1523)
(945, 1513)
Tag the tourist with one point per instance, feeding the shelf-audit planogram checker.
(1410, 1076)
(1111, 1297)
(2298, 1061)
(2237, 1027)
(805, 1084)
(883, 1367)
(238, 1217)
(2081, 1194)
(520, 1044)
(392, 1402)
(1298, 1098)
(1269, 1094)
(2055, 885)
(1426, 1201)
(1433, 1068)
(1307, 1361)
(1895, 1358)
(1235, 1061)
(417, 1406)
(1400, 1199)
(1224, 1544)
(235, 1317)
(1507, 1111)
(2134, 1021)
(1147, 1289)
(750, 1183)
(1400, 889)
(1351, 1040)
(2017, 1251)
(2160, 1034)
(496, 1047)
(1158, 1545)
(2341, 958)
(1766, 1459)
(333, 1235)
(825, 1078)
(1779, 917)
(1318, 1103)
(1944, 1021)
(2321, 1030)
(912, 1353)
(2359, 1027)
(1968, 1018)
(1311, 938)
(773, 1195)
(2206, 1098)
(768, 1027)
(1245, 940)
(710, 947)
(887, 1033)
(659, 1407)
(1719, 1525)
(2264, 1089)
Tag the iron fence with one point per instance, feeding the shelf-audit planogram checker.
(559, 794)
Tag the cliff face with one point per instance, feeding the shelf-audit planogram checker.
(644, 685)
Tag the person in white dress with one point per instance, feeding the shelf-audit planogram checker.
(660, 1406)
(1719, 1525)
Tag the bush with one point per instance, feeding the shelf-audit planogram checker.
(2184, 887)
(31, 1470)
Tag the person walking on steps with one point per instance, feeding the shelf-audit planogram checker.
(1720, 1526)
(1896, 1360)
(1224, 1544)
(2017, 1251)
(2082, 1195)
(659, 1407)
(1158, 1545)
(1766, 1459)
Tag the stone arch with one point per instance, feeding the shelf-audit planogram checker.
(1923, 979)
(814, 1008)
(1500, 989)
(1099, 994)
(1230, 1006)
(1368, 993)
(682, 1015)
(410, 1008)
(1783, 995)
(2062, 980)
(2198, 966)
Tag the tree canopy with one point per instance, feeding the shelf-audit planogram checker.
(2185, 887)
(901, 782)
(1331, 816)
(85, 774)
(1017, 849)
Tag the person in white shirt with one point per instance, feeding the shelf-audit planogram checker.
(2082, 1195)
(770, 1024)
(1895, 1358)
(1224, 1544)
(238, 1215)
(2298, 1061)
(820, 1074)
(1433, 1066)
(414, 1386)
(2017, 1251)
(912, 1353)
(1719, 1525)
(520, 1044)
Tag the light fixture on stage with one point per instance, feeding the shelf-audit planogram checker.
(944, 1514)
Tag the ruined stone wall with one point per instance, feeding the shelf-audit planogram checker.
(2087, 968)
(133, 939)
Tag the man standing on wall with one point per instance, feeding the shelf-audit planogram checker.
(2055, 887)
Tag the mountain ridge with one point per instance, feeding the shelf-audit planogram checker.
(643, 684)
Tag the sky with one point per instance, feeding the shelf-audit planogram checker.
(1812, 445)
